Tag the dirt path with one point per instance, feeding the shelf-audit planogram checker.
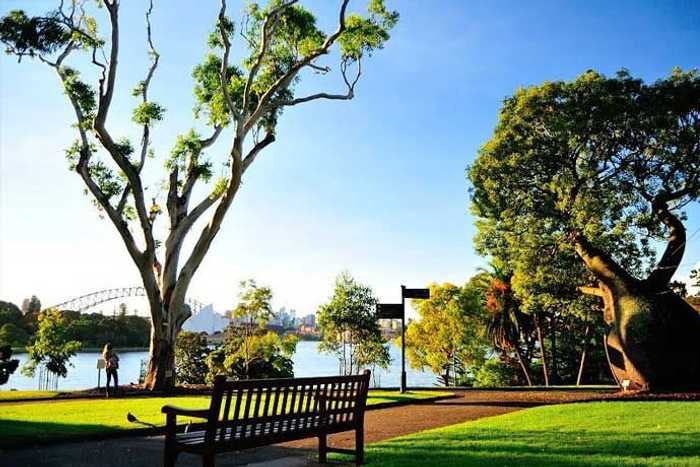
(380, 424)
(389, 423)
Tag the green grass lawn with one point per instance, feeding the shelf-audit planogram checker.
(61, 419)
(587, 434)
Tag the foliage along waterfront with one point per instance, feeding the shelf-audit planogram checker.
(307, 360)
(18, 327)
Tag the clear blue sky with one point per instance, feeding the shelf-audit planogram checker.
(375, 185)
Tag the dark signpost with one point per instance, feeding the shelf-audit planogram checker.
(398, 311)
(415, 293)
(390, 311)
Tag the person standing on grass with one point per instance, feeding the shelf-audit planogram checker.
(111, 366)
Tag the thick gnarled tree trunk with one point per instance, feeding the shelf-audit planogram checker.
(653, 341)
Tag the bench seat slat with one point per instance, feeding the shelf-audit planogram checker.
(255, 431)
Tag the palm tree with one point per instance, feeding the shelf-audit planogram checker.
(506, 324)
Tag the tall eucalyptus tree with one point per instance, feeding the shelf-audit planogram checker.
(281, 43)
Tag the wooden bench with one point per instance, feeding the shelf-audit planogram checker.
(252, 413)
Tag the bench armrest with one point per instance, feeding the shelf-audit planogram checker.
(197, 413)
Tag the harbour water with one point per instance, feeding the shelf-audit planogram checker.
(308, 361)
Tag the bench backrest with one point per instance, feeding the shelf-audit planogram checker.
(294, 404)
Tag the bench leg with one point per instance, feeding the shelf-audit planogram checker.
(170, 457)
(208, 460)
(322, 448)
(359, 446)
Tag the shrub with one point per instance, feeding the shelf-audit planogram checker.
(191, 353)
(262, 354)
(492, 374)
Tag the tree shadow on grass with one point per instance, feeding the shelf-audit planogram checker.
(480, 447)
(17, 433)
(143, 452)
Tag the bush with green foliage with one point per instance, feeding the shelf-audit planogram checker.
(249, 350)
(494, 373)
(263, 354)
(191, 351)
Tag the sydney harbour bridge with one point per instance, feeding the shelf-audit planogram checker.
(87, 301)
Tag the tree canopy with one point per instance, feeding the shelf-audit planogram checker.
(52, 347)
(447, 337)
(349, 327)
(606, 159)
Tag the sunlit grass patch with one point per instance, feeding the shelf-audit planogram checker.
(585, 434)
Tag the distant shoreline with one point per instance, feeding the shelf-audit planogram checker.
(22, 350)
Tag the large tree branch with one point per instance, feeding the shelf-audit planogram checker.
(182, 221)
(238, 166)
(146, 83)
(223, 72)
(145, 137)
(253, 153)
(323, 95)
(603, 267)
(675, 247)
(605, 294)
(107, 87)
(268, 28)
(284, 81)
(211, 229)
(178, 199)
(172, 196)
(105, 138)
(206, 142)
(82, 167)
(596, 291)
